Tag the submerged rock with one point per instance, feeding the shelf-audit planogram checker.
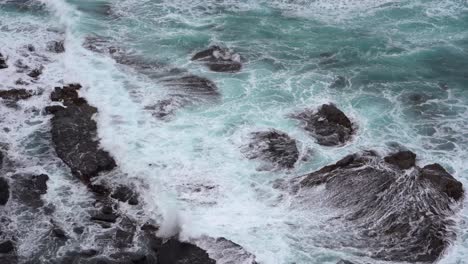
(329, 125)
(15, 94)
(177, 252)
(399, 215)
(4, 191)
(74, 134)
(192, 85)
(35, 73)
(340, 82)
(219, 59)
(344, 262)
(125, 194)
(29, 189)
(56, 46)
(6, 247)
(273, 146)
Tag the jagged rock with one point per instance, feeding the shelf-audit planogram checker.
(6, 247)
(329, 125)
(340, 82)
(4, 191)
(402, 159)
(106, 214)
(59, 233)
(15, 94)
(3, 60)
(125, 194)
(273, 146)
(74, 134)
(29, 189)
(176, 252)
(219, 59)
(398, 216)
(56, 46)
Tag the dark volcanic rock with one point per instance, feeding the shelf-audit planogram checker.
(329, 125)
(443, 181)
(402, 159)
(56, 46)
(219, 59)
(176, 252)
(6, 247)
(344, 262)
(74, 134)
(3, 64)
(273, 146)
(15, 94)
(30, 188)
(398, 216)
(4, 191)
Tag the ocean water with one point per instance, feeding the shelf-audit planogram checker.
(407, 66)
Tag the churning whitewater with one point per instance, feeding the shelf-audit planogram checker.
(233, 131)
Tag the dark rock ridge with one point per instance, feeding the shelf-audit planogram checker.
(176, 252)
(400, 215)
(274, 147)
(74, 134)
(4, 191)
(3, 64)
(219, 59)
(328, 125)
(16, 94)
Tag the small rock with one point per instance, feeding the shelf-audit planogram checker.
(340, 82)
(329, 125)
(35, 73)
(219, 59)
(56, 46)
(402, 159)
(59, 233)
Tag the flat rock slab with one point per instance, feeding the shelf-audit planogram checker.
(273, 146)
(401, 215)
(74, 134)
(328, 125)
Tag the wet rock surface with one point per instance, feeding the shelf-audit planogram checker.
(176, 252)
(4, 191)
(274, 147)
(400, 215)
(219, 59)
(328, 125)
(74, 134)
(15, 94)
(29, 188)
(3, 62)
(402, 159)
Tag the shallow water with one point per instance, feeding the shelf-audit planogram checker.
(406, 62)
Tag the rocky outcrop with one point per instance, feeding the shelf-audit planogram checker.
(4, 191)
(328, 125)
(274, 147)
(74, 134)
(15, 94)
(3, 60)
(399, 214)
(219, 59)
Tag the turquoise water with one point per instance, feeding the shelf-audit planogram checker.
(407, 66)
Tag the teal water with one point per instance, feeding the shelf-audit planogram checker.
(407, 66)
